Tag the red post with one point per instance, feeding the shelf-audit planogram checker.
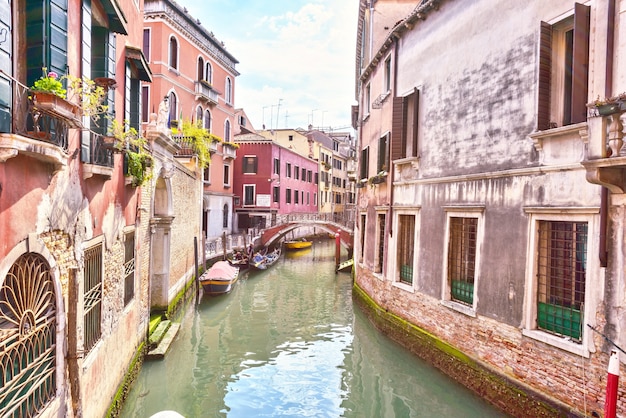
(337, 249)
(612, 383)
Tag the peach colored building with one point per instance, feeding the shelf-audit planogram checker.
(197, 74)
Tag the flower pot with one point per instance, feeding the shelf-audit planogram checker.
(608, 109)
(57, 107)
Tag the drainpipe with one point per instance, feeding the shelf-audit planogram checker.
(608, 82)
(392, 169)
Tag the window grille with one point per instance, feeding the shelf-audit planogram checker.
(406, 247)
(129, 267)
(27, 338)
(561, 276)
(92, 296)
(381, 243)
(462, 258)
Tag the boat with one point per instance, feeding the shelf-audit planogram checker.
(219, 279)
(264, 260)
(298, 244)
(238, 258)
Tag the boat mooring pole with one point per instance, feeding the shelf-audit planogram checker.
(612, 384)
(337, 250)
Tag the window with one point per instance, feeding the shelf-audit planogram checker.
(207, 174)
(228, 95)
(365, 152)
(146, 44)
(248, 194)
(288, 196)
(129, 267)
(276, 166)
(405, 115)
(208, 75)
(227, 131)
(276, 194)
(303, 174)
(362, 236)
(296, 172)
(383, 154)
(461, 258)
(173, 53)
(225, 216)
(387, 75)
(145, 103)
(315, 199)
(367, 100)
(380, 243)
(207, 120)
(199, 115)
(173, 103)
(226, 175)
(200, 72)
(288, 169)
(561, 277)
(249, 164)
(405, 248)
(296, 197)
(92, 296)
(28, 321)
(563, 70)
(308, 198)
(317, 176)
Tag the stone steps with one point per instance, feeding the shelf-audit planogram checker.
(161, 339)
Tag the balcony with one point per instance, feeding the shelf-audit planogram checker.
(229, 151)
(212, 147)
(186, 144)
(38, 128)
(206, 92)
(97, 157)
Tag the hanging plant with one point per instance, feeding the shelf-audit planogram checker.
(134, 147)
(201, 137)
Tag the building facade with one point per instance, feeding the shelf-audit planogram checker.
(271, 180)
(196, 73)
(490, 204)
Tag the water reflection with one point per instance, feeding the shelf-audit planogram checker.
(287, 343)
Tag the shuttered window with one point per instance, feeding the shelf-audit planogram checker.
(564, 62)
(404, 126)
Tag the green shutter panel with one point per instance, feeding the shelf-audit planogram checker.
(103, 65)
(57, 44)
(85, 139)
(580, 66)
(545, 76)
(6, 93)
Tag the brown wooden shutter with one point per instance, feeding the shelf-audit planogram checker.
(580, 65)
(398, 129)
(545, 76)
(416, 113)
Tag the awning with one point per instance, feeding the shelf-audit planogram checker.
(117, 20)
(138, 64)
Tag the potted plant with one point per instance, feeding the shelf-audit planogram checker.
(50, 97)
(609, 105)
(137, 159)
(201, 139)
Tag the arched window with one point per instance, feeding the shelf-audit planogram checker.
(208, 76)
(173, 53)
(199, 114)
(173, 105)
(227, 131)
(228, 95)
(200, 69)
(207, 120)
(225, 217)
(28, 328)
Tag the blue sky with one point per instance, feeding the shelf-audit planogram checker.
(296, 53)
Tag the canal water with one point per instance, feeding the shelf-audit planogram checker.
(288, 342)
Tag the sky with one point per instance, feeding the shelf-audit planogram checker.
(296, 58)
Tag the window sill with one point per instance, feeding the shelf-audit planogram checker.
(404, 286)
(563, 343)
(379, 276)
(459, 307)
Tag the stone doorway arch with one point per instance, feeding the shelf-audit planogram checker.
(160, 226)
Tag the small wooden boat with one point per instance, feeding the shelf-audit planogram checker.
(298, 244)
(238, 258)
(219, 279)
(261, 261)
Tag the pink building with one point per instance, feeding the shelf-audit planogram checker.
(197, 75)
(271, 180)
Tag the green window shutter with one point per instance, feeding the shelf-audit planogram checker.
(6, 93)
(46, 37)
(103, 65)
(85, 140)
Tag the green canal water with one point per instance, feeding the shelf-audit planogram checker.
(288, 342)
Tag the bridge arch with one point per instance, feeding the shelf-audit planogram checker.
(274, 234)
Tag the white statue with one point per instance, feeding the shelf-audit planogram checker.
(164, 111)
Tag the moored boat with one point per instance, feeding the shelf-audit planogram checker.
(298, 244)
(238, 258)
(263, 261)
(219, 279)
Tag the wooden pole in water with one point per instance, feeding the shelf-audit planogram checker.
(337, 250)
(195, 258)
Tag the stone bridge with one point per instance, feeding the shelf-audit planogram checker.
(273, 234)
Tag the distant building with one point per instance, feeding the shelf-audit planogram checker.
(491, 198)
(271, 180)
